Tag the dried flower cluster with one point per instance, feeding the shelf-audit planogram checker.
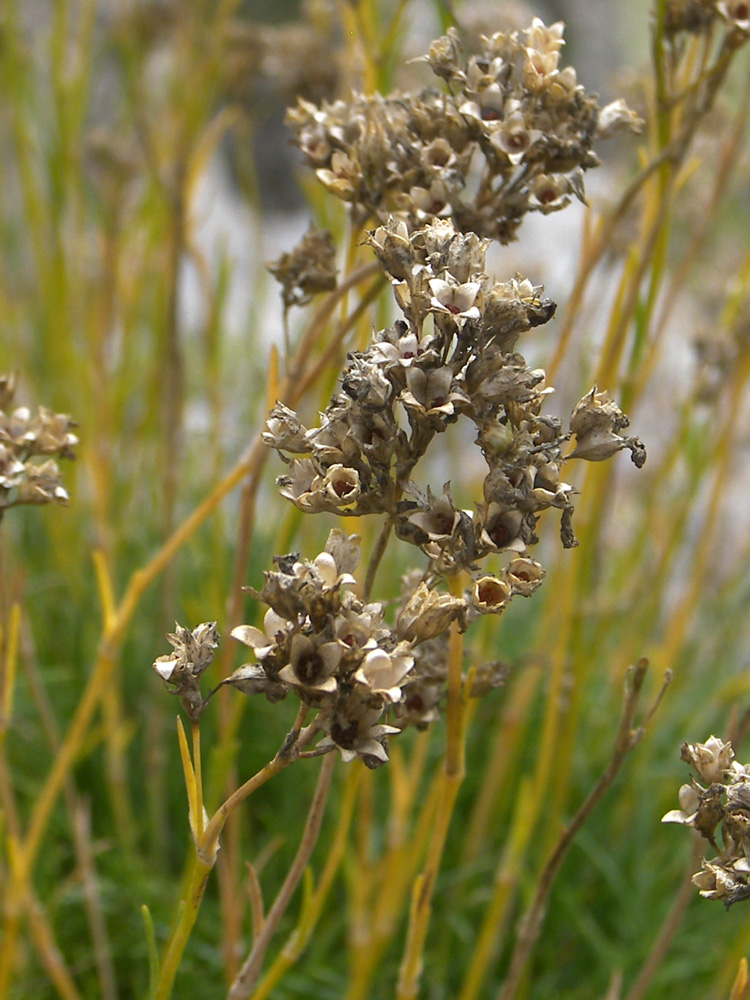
(718, 799)
(181, 670)
(24, 438)
(699, 15)
(270, 65)
(334, 651)
(308, 269)
(513, 134)
(452, 355)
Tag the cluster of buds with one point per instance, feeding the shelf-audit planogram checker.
(25, 437)
(513, 134)
(453, 355)
(308, 269)
(716, 803)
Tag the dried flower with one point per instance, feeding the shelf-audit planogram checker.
(181, 670)
(724, 805)
(311, 668)
(359, 736)
(24, 436)
(710, 760)
(491, 595)
(428, 613)
(308, 269)
(728, 882)
(737, 12)
(524, 575)
(596, 422)
(409, 163)
(383, 673)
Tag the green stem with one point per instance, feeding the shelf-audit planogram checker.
(188, 913)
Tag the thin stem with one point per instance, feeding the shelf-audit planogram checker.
(310, 915)
(197, 767)
(381, 544)
(92, 898)
(205, 858)
(452, 777)
(210, 842)
(245, 982)
(189, 907)
(668, 929)
(49, 952)
(626, 740)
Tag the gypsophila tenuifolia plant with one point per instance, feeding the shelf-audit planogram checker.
(438, 175)
(406, 161)
(29, 444)
(448, 861)
(451, 356)
(716, 803)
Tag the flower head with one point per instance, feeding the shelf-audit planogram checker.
(24, 437)
(182, 669)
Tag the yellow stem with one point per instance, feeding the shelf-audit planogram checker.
(452, 776)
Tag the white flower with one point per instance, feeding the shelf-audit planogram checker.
(689, 802)
(615, 117)
(736, 12)
(311, 668)
(358, 737)
(262, 642)
(342, 179)
(456, 299)
(383, 673)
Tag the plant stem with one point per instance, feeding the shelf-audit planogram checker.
(669, 928)
(311, 913)
(245, 982)
(626, 740)
(188, 913)
(453, 774)
(202, 863)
